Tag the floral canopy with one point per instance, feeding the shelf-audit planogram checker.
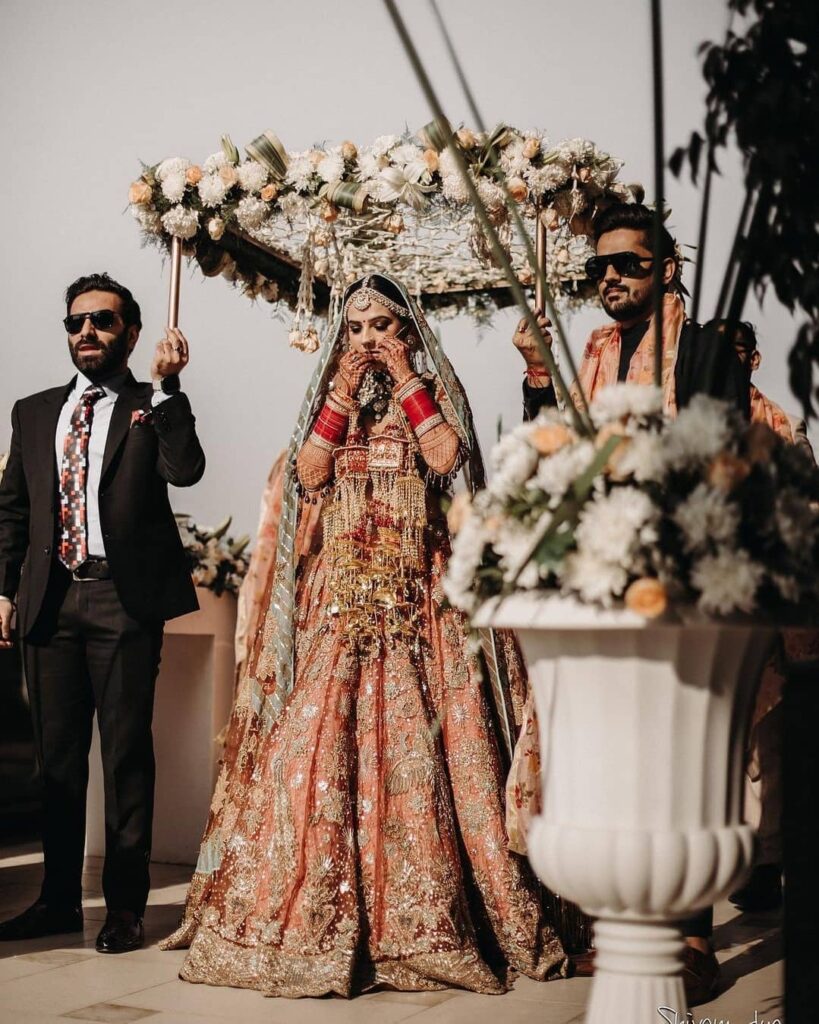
(296, 228)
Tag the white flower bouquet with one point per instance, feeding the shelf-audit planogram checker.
(703, 508)
(216, 560)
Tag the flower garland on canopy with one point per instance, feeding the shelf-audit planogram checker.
(333, 213)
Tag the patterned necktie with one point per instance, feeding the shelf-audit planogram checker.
(73, 477)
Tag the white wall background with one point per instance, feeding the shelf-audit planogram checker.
(90, 87)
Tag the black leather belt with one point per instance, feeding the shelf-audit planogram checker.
(92, 569)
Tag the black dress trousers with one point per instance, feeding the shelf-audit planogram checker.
(86, 654)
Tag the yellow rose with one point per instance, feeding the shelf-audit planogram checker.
(550, 438)
(349, 150)
(228, 174)
(647, 597)
(727, 471)
(140, 193)
(518, 189)
(458, 512)
(269, 192)
(193, 175)
(531, 148)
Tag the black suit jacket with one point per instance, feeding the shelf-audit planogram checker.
(707, 363)
(142, 543)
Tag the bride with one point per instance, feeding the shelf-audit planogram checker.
(356, 836)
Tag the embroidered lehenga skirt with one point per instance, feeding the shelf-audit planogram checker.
(360, 840)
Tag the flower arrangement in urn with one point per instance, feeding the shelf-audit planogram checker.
(216, 559)
(703, 508)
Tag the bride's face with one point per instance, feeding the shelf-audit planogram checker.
(365, 328)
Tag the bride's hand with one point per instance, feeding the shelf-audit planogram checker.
(351, 369)
(395, 355)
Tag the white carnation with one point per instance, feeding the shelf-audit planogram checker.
(214, 162)
(620, 402)
(172, 168)
(181, 222)
(556, 473)
(491, 195)
(383, 144)
(705, 515)
(612, 527)
(173, 186)
(512, 160)
(251, 213)
(331, 166)
(467, 552)
(727, 581)
(593, 578)
(513, 461)
(300, 171)
(148, 219)
(548, 178)
(513, 542)
(643, 457)
(699, 432)
(369, 165)
(252, 175)
(212, 190)
(452, 183)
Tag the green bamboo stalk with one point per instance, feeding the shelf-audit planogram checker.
(581, 425)
(659, 184)
(512, 206)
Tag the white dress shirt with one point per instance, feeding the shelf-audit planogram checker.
(100, 422)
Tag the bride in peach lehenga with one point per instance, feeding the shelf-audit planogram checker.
(356, 836)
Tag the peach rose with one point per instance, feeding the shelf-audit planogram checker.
(349, 150)
(548, 439)
(269, 192)
(431, 160)
(518, 189)
(584, 173)
(394, 223)
(228, 174)
(193, 175)
(531, 148)
(140, 193)
(466, 138)
(647, 597)
(458, 512)
(727, 471)
(329, 213)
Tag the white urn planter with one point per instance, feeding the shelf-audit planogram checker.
(643, 727)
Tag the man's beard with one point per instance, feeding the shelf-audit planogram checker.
(625, 310)
(105, 361)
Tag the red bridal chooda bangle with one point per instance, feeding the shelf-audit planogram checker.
(418, 406)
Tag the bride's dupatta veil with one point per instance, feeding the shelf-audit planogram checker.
(356, 835)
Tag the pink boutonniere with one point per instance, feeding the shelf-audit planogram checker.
(139, 416)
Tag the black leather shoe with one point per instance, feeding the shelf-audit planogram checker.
(762, 891)
(121, 933)
(41, 919)
(700, 975)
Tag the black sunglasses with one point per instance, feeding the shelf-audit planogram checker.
(102, 319)
(627, 264)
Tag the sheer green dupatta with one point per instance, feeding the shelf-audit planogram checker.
(270, 676)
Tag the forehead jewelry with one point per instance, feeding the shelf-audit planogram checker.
(366, 296)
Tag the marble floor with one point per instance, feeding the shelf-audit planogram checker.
(62, 979)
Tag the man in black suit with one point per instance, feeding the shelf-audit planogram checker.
(90, 552)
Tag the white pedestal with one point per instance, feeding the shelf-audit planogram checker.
(643, 729)
(194, 693)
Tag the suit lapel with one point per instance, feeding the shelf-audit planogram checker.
(129, 398)
(46, 427)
